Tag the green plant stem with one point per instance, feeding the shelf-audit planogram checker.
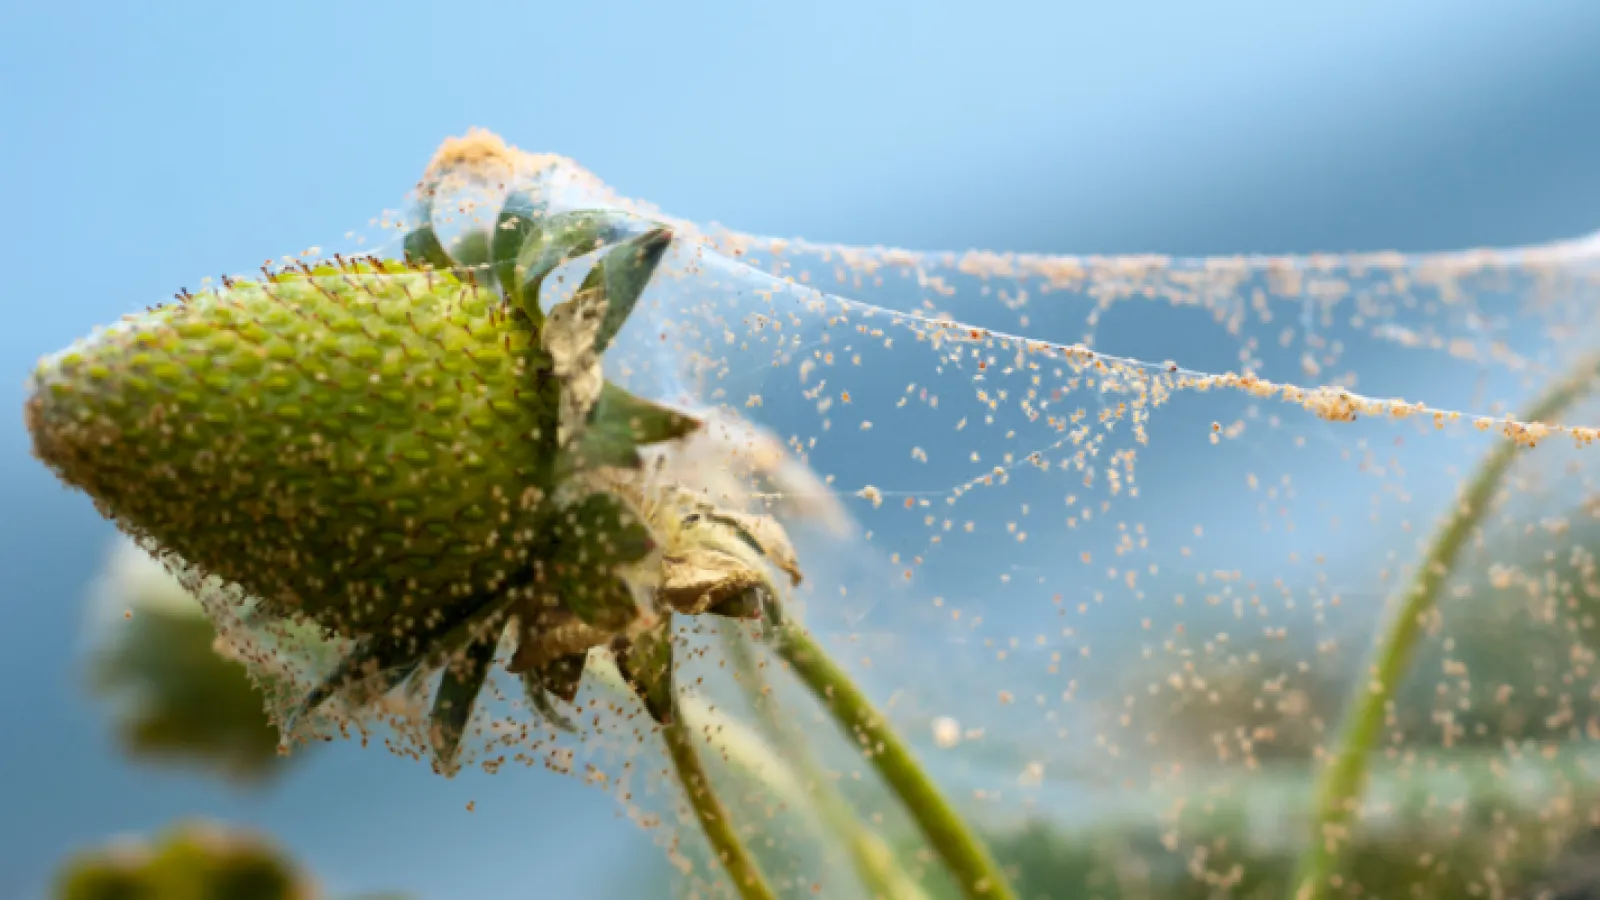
(872, 859)
(1340, 785)
(965, 854)
(714, 820)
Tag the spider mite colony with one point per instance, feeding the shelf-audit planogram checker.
(1108, 577)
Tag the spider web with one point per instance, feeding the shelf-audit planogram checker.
(1107, 538)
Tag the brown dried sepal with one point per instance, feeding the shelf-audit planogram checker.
(556, 634)
(694, 584)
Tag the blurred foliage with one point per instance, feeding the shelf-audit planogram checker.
(1517, 636)
(177, 700)
(1462, 823)
(1509, 658)
(1490, 850)
(172, 697)
(192, 862)
(1499, 677)
(1124, 867)
(1263, 705)
(176, 696)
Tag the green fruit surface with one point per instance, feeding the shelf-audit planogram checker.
(365, 444)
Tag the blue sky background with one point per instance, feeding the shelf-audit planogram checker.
(148, 145)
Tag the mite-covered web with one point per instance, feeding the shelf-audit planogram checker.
(1114, 544)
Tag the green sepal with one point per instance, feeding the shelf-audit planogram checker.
(481, 619)
(538, 697)
(613, 287)
(646, 666)
(422, 243)
(602, 531)
(563, 676)
(608, 605)
(422, 246)
(620, 423)
(463, 679)
(517, 224)
(587, 541)
(472, 252)
(625, 272)
(567, 236)
(377, 664)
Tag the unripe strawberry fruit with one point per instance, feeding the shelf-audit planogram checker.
(393, 451)
(360, 442)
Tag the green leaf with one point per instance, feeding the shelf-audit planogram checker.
(620, 423)
(646, 665)
(458, 692)
(191, 704)
(191, 862)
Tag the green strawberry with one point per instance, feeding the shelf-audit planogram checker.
(377, 446)
(363, 445)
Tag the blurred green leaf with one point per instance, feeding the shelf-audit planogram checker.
(192, 862)
(174, 698)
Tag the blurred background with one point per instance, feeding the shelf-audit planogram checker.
(153, 145)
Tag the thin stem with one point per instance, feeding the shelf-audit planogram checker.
(963, 852)
(872, 859)
(714, 820)
(1341, 783)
